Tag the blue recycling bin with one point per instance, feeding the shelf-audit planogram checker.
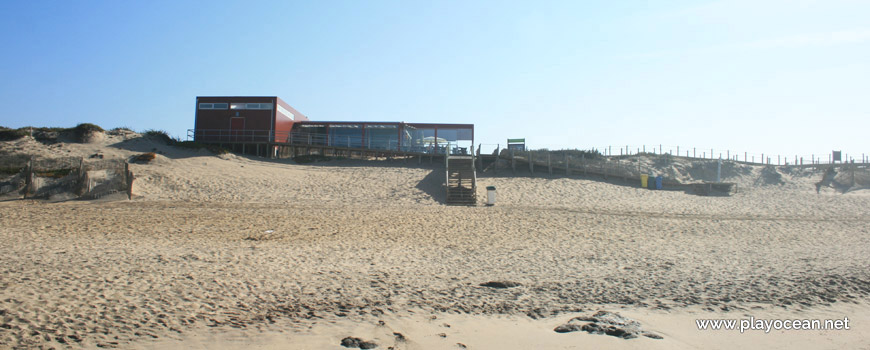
(659, 182)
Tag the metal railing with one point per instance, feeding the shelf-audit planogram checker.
(370, 142)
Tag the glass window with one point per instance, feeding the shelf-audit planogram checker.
(259, 106)
(237, 106)
(206, 105)
(220, 106)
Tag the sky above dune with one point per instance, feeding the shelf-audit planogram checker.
(773, 77)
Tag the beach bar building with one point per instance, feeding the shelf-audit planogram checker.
(243, 119)
(271, 125)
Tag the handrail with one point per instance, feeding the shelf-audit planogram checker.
(373, 142)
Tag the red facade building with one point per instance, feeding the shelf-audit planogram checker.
(271, 122)
(234, 119)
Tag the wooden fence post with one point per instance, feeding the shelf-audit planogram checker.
(567, 165)
(479, 161)
(497, 158)
(28, 178)
(549, 164)
(531, 163)
(129, 176)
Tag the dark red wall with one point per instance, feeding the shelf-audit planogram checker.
(213, 125)
(284, 125)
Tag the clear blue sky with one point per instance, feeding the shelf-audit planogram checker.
(790, 77)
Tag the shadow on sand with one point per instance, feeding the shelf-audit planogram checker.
(433, 185)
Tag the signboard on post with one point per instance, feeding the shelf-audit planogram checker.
(836, 156)
(516, 144)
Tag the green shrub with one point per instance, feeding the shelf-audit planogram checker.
(7, 134)
(56, 174)
(82, 130)
(10, 171)
(160, 135)
(560, 154)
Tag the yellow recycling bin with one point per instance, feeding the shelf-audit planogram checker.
(644, 179)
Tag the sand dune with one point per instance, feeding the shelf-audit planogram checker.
(229, 251)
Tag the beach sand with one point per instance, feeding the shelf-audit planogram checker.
(237, 252)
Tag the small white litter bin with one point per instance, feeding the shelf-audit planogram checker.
(490, 195)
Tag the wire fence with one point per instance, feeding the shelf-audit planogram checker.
(65, 178)
(712, 154)
(670, 170)
(737, 156)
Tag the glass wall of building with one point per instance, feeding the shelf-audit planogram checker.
(309, 134)
(417, 138)
(382, 136)
(420, 140)
(456, 141)
(346, 135)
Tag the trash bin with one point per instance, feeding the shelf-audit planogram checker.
(659, 182)
(490, 195)
(643, 180)
(651, 183)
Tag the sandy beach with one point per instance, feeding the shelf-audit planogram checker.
(236, 252)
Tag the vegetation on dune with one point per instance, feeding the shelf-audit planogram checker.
(84, 131)
(7, 134)
(10, 171)
(55, 174)
(574, 153)
(119, 129)
(85, 128)
(161, 135)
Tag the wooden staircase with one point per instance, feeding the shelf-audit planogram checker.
(461, 180)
